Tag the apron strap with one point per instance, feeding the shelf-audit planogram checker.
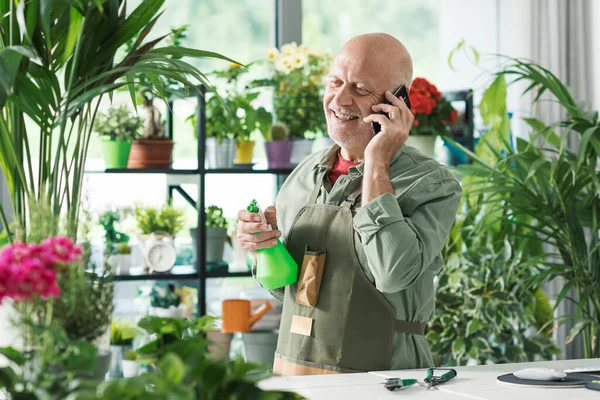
(414, 328)
(351, 199)
(315, 193)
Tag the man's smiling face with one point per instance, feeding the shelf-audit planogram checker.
(362, 71)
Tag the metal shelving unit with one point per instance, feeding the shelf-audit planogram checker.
(201, 271)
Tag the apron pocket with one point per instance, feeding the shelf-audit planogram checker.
(311, 274)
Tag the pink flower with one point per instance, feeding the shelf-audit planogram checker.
(15, 253)
(59, 249)
(29, 270)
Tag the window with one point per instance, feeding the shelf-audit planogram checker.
(328, 25)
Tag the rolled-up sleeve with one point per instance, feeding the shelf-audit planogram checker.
(400, 247)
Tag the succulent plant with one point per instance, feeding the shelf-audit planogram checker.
(279, 132)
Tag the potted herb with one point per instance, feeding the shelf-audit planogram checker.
(166, 219)
(117, 128)
(216, 235)
(122, 334)
(165, 302)
(277, 147)
(131, 368)
(231, 121)
(122, 258)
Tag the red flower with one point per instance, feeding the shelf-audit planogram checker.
(432, 112)
(453, 117)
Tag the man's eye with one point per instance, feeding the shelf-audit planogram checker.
(335, 82)
(361, 90)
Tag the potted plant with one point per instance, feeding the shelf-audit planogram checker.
(433, 116)
(166, 219)
(154, 149)
(122, 334)
(297, 79)
(131, 368)
(121, 260)
(90, 63)
(550, 190)
(277, 147)
(117, 128)
(165, 302)
(216, 235)
(231, 120)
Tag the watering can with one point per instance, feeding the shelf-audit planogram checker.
(237, 316)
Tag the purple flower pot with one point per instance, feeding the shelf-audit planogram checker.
(278, 153)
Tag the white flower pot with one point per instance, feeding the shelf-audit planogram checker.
(220, 155)
(300, 150)
(130, 368)
(425, 144)
(120, 263)
(171, 312)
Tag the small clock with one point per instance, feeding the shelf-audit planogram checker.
(160, 254)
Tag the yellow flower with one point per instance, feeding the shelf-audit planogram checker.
(234, 66)
(272, 54)
(289, 48)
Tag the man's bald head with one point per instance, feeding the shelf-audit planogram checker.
(364, 69)
(380, 54)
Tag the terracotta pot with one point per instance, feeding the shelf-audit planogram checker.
(151, 154)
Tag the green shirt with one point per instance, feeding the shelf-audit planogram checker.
(398, 238)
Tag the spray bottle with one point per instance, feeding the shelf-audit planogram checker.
(275, 266)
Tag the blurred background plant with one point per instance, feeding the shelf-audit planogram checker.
(297, 79)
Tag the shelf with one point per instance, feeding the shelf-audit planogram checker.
(275, 171)
(179, 272)
(217, 274)
(168, 171)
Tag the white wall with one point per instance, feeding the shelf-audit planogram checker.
(596, 54)
(490, 27)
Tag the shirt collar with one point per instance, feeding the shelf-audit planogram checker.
(328, 159)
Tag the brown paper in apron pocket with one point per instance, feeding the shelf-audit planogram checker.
(311, 274)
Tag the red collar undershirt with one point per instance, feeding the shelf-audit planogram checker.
(340, 167)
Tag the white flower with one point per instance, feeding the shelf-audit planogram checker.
(303, 49)
(315, 53)
(299, 60)
(272, 54)
(284, 64)
(289, 48)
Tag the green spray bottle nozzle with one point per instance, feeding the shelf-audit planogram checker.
(275, 267)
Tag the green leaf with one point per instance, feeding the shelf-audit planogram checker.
(176, 51)
(473, 326)
(583, 146)
(172, 368)
(13, 355)
(8, 378)
(493, 102)
(458, 347)
(576, 330)
(76, 23)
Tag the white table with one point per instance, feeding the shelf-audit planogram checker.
(477, 383)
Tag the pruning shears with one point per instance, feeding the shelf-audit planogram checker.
(432, 379)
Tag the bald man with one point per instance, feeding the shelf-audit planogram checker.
(366, 219)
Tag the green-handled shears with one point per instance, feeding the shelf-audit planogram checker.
(397, 383)
(433, 379)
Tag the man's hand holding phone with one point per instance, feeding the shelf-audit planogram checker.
(394, 130)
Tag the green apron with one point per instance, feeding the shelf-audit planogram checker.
(351, 328)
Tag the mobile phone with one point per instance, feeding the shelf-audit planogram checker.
(400, 93)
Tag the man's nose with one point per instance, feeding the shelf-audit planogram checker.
(343, 97)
